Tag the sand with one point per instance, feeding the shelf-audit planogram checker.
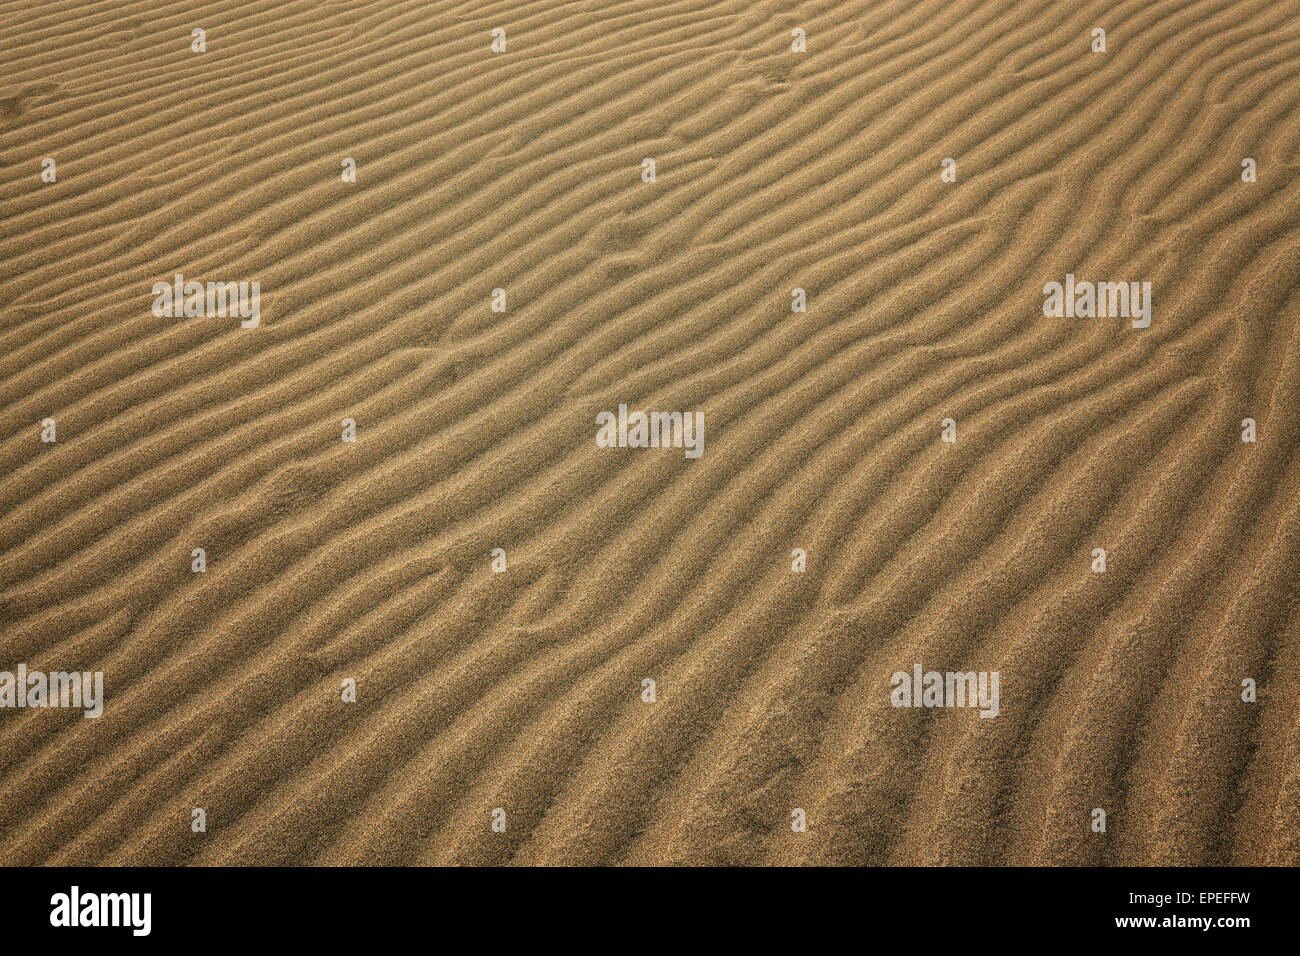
(827, 538)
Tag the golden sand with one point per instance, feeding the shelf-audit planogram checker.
(523, 690)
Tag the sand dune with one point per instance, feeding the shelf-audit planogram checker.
(503, 716)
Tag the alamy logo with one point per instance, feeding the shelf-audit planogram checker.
(57, 689)
(953, 689)
(103, 909)
(1102, 299)
(179, 298)
(652, 430)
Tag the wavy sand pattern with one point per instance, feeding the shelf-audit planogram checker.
(522, 170)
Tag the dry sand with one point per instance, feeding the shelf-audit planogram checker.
(522, 690)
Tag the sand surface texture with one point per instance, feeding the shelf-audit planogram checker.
(129, 439)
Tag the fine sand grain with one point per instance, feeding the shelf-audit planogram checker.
(774, 170)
